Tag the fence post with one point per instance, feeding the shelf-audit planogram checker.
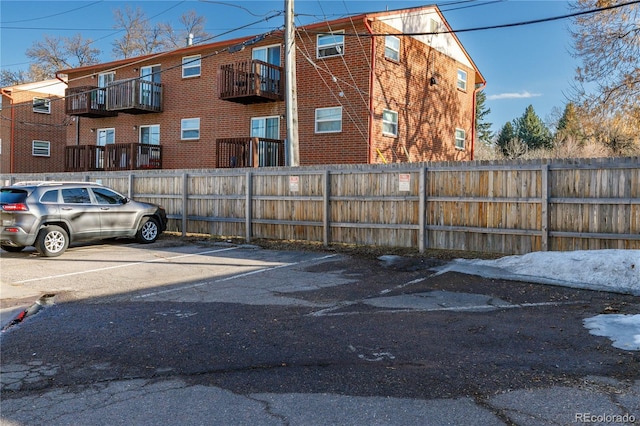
(422, 211)
(130, 189)
(326, 215)
(248, 211)
(544, 211)
(185, 200)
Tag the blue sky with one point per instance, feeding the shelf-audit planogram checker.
(523, 65)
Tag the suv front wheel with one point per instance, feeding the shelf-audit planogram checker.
(149, 230)
(52, 241)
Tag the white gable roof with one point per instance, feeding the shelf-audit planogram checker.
(423, 21)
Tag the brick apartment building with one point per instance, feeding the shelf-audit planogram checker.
(33, 126)
(366, 93)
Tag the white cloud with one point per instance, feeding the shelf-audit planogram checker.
(522, 95)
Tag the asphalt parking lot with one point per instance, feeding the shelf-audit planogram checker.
(299, 337)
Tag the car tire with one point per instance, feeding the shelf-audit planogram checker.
(149, 231)
(12, 249)
(52, 241)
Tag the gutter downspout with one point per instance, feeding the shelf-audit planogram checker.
(473, 123)
(12, 154)
(371, 83)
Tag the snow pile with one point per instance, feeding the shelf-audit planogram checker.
(607, 270)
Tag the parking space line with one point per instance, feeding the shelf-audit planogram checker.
(89, 271)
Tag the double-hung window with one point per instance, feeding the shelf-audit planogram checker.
(330, 44)
(460, 138)
(42, 105)
(41, 148)
(462, 80)
(389, 123)
(191, 66)
(392, 48)
(329, 120)
(190, 128)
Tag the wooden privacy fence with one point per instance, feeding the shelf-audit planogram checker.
(502, 207)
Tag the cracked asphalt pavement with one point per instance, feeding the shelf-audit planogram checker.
(193, 333)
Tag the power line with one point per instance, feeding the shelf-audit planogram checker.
(493, 27)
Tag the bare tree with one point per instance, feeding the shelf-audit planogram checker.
(608, 44)
(192, 24)
(139, 38)
(55, 53)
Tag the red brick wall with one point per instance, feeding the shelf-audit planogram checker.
(428, 115)
(29, 126)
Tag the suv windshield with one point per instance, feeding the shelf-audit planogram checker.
(12, 196)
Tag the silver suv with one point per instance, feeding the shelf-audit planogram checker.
(49, 215)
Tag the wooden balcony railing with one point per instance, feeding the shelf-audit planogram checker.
(134, 96)
(87, 101)
(249, 152)
(123, 156)
(251, 82)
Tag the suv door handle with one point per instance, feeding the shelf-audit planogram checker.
(66, 208)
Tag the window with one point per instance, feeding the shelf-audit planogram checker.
(265, 127)
(106, 196)
(150, 135)
(392, 48)
(190, 128)
(460, 138)
(76, 196)
(42, 105)
(41, 149)
(50, 197)
(330, 45)
(389, 123)
(329, 120)
(191, 66)
(106, 137)
(462, 80)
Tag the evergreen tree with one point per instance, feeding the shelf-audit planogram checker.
(531, 130)
(483, 129)
(569, 125)
(505, 137)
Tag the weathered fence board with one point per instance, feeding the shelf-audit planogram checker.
(509, 207)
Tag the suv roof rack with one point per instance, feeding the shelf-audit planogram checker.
(53, 182)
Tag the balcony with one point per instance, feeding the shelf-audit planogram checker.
(249, 152)
(122, 156)
(251, 82)
(134, 96)
(87, 101)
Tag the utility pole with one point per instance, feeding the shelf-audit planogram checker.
(291, 96)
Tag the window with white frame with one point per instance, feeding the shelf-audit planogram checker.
(462, 80)
(190, 128)
(42, 105)
(150, 135)
(41, 148)
(392, 48)
(461, 137)
(330, 44)
(389, 123)
(265, 127)
(329, 120)
(191, 66)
